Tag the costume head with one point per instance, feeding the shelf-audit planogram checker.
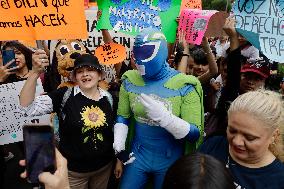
(66, 53)
(150, 52)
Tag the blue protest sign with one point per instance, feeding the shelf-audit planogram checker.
(261, 22)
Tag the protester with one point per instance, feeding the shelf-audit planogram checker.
(23, 61)
(253, 149)
(85, 121)
(199, 62)
(167, 108)
(198, 171)
(243, 75)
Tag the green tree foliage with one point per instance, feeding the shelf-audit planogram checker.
(219, 5)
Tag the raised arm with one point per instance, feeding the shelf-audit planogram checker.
(182, 66)
(229, 28)
(213, 68)
(27, 95)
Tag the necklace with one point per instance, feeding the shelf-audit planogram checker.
(23, 76)
(229, 163)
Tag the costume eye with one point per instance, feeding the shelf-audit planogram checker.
(64, 50)
(76, 46)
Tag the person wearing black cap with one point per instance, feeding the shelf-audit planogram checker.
(85, 122)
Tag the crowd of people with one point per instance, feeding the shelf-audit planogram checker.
(201, 118)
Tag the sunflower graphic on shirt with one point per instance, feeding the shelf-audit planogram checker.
(93, 119)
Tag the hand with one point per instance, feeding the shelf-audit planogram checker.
(118, 169)
(229, 27)
(40, 60)
(205, 42)
(5, 71)
(125, 157)
(58, 180)
(155, 110)
(182, 41)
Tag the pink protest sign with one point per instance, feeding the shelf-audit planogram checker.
(194, 22)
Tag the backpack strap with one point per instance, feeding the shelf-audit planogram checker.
(64, 100)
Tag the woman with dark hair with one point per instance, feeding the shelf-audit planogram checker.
(198, 171)
(23, 59)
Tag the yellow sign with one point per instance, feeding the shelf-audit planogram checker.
(42, 19)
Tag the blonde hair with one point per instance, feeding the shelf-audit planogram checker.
(266, 106)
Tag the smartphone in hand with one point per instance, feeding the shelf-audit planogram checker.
(39, 150)
(7, 56)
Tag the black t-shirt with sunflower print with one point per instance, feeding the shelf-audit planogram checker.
(86, 135)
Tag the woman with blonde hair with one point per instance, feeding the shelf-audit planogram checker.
(253, 149)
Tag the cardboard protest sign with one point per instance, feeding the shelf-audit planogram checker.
(42, 19)
(190, 4)
(111, 53)
(131, 16)
(29, 43)
(216, 23)
(95, 40)
(262, 24)
(194, 22)
(11, 121)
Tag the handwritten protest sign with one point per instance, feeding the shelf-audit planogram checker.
(29, 43)
(111, 53)
(42, 19)
(194, 22)
(216, 23)
(11, 121)
(131, 16)
(95, 39)
(190, 4)
(262, 24)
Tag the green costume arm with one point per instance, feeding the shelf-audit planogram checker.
(123, 104)
(192, 111)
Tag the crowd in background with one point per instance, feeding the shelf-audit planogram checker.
(243, 120)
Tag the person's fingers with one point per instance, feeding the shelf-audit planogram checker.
(116, 173)
(9, 63)
(23, 175)
(119, 173)
(46, 177)
(145, 100)
(61, 162)
(12, 69)
(22, 162)
(39, 51)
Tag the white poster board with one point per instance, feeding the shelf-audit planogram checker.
(11, 120)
